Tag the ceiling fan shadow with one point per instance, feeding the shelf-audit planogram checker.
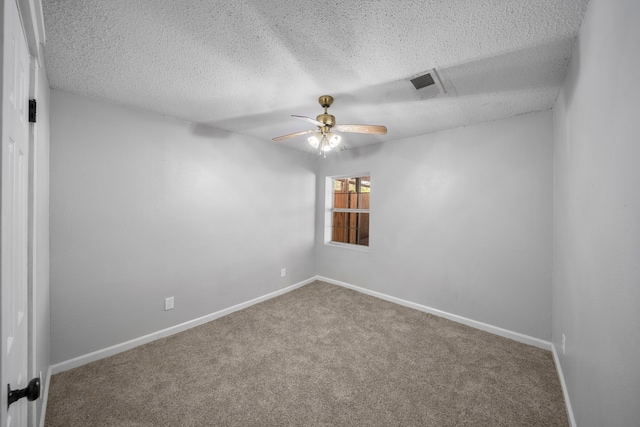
(535, 67)
(208, 131)
(485, 89)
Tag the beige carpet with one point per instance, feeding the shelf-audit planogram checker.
(320, 355)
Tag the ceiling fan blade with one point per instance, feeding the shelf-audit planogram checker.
(371, 129)
(292, 135)
(309, 119)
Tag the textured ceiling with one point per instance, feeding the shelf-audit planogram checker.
(246, 66)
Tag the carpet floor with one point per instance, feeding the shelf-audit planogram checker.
(320, 355)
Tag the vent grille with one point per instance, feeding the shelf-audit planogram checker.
(423, 81)
(427, 85)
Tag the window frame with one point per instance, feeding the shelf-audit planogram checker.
(330, 210)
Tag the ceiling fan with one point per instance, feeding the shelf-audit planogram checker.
(323, 139)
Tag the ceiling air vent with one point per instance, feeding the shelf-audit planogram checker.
(422, 81)
(427, 85)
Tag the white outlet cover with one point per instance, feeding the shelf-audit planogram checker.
(168, 303)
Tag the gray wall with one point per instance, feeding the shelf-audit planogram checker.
(596, 292)
(461, 221)
(144, 207)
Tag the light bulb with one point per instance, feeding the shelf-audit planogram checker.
(325, 144)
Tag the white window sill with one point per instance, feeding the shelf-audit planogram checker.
(360, 248)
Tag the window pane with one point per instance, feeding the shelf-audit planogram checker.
(351, 227)
(340, 185)
(350, 201)
(352, 185)
(363, 229)
(365, 184)
(340, 200)
(364, 201)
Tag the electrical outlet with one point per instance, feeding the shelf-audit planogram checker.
(564, 344)
(168, 303)
(283, 272)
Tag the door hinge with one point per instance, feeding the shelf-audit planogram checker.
(32, 111)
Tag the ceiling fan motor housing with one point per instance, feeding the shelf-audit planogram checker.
(327, 119)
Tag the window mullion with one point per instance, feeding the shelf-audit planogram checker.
(350, 210)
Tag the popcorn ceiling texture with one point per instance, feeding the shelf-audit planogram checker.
(246, 66)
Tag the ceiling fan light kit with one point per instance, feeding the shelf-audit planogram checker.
(323, 139)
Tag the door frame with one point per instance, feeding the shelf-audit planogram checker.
(32, 22)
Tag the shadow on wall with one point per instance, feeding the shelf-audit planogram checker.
(200, 129)
(572, 73)
(247, 149)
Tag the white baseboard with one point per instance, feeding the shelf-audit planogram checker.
(565, 392)
(45, 397)
(119, 348)
(516, 336)
(128, 345)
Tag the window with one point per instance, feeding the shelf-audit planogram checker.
(350, 210)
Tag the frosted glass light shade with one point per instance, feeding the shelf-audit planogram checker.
(325, 141)
(334, 140)
(314, 140)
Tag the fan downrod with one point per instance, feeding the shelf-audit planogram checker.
(325, 118)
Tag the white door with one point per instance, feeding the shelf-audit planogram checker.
(14, 212)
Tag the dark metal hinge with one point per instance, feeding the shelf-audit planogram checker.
(32, 111)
